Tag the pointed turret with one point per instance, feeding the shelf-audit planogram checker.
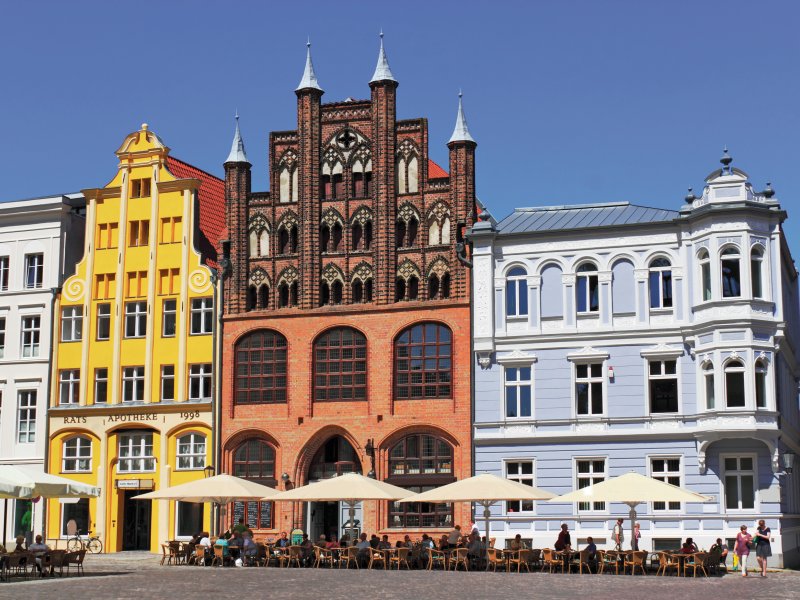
(382, 70)
(461, 131)
(309, 80)
(237, 153)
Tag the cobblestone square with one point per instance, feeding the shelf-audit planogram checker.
(139, 575)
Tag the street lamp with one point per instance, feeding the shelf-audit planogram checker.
(370, 451)
(208, 471)
(788, 462)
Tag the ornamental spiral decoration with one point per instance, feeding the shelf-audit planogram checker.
(199, 281)
(74, 289)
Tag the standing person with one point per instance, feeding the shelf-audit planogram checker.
(455, 537)
(637, 534)
(619, 534)
(763, 546)
(742, 548)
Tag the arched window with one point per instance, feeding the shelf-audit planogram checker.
(731, 280)
(704, 261)
(361, 284)
(77, 455)
(761, 383)
(439, 225)
(407, 282)
(423, 365)
(407, 226)
(419, 463)
(260, 368)
(734, 384)
(254, 460)
(587, 291)
(252, 297)
(287, 179)
(191, 451)
(283, 295)
(340, 365)
(287, 288)
(357, 235)
(756, 271)
(438, 286)
(263, 296)
(362, 175)
(357, 291)
(551, 293)
(287, 239)
(660, 283)
(517, 292)
(434, 233)
(708, 380)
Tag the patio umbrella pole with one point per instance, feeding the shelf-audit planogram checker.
(351, 505)
(632, 516)
(486, 514)
(5, 520)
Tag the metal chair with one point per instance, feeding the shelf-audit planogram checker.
(695, 561)
(635, 560)
(458, 557)
(400, 558)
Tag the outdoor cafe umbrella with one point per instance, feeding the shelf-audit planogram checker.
(350, 488)
(484, 489)
(25, 482)
(631, 489)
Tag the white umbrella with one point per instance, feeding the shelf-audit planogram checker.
(220, 489)
(631, 489)
(484, 489)
(351, 489)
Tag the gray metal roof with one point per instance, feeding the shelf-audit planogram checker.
(461, 131)
(382, 70)
(309, 80)
(582, 216)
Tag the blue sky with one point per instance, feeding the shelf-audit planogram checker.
(570, 101)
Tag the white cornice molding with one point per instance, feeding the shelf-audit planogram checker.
(662, 351)
(517, 357)
(587, 353)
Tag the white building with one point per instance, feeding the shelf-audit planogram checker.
(40, 242)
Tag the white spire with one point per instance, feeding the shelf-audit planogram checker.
(382, 70)
(237, 148)
(309, 80)
(461, 131)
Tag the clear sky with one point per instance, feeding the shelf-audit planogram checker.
(570, 101)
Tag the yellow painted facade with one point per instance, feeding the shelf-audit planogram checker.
(133, 355)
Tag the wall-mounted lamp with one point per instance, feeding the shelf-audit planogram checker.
(208, 471)
(788, 462)
(610, 372)
(369, 448)
(285, 477)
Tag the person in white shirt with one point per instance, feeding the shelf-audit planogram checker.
(454, 537)
(38, 549)
(205, 541)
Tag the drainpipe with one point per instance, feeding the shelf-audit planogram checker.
(54, 292)
(219, 326)
(462, 248)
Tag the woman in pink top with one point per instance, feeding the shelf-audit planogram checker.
(742, 548)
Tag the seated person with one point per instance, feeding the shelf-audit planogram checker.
(564, 541)
(222, 543)
(38, 548)
(384, 544)
(374, 541)
(516, 544)
(407, 543)
(364, 548)
(724, 550)
(236, 540)
(307, 548)
(689, 547)
(427, 542)
(205, 540)
(475, 547)
(20, 544)
(344, 541)
(249, 546)
(443, 542)
(332, 545)
(591, 548)
(322, 542)
(283, 541)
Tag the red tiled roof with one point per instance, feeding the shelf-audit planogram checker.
(211, 211)
(435, 171)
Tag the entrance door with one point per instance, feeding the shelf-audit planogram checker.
(135, 521)
(324, 520)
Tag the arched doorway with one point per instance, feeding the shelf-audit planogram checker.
(335, 457)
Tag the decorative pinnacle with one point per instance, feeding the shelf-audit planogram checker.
(382, 70)
(690, 197)
(309, 80)
(726, 159)
(461, 131)
(768, 192)
(237, 153)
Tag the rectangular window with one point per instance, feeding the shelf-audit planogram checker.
(740, 489)
(589, 388)
(139, 233)
(191, 451)
(518, 392)
(200, 382)
(171, 230)
(168, 382)
(71, 323)
(663, 379)
(30, 336)
(77, 456)
(589, 472)
(26, 417)
(136, 284)
(667, 470)
(105, 286)
(136, 453)
(69, 381)
(103, 321)
(587, 293)
(189, 519)
(4, 273)
(34, 270)
(202, 315)
(100, 386)
(78, 512)
(169, 281)
(135, 319)
(133, 384)
(140, 188)
(107, 235)
(520, 471)
(2, 337)
(169, 318)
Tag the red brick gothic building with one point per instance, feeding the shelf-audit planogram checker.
(346, 312)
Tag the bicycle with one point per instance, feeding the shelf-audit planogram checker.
(93, 544)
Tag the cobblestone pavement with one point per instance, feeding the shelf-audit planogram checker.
(139, 576)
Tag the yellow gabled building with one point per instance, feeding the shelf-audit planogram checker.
(133, 381)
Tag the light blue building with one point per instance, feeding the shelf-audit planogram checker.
(616, 337)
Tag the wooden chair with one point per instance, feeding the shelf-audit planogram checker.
(18, 563)
(377, 557)
(400, 558)
(436, 557)
(696, 561)
(549, 559)
(535, 558)
(323, 556)
(219, 557)
(459, 556)
(56, 561)
(635, 560)
(523, 558)
(198, 557)
(607, 558)
(496, 559)
(175, 554)
(583, 561)
(349, 555)
(666, 562)
(294, 556)
(76, 559)
(165, 555)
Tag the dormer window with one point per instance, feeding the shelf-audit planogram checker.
(731, 273)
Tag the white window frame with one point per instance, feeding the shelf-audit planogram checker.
(172, 314)
(31, 345)
(2, 336)
(588, 275)
(737, 256)
(203, 308)
(71, 323)
(665, 457)
(589, 379)
(77, 457)
(577, 475)
(69, 386)
(660, 271)
(34, 262)
(761, 366)
(705, 374)
(97, 381)
(517, 478)
(724, 473)
(103, 316)
(517, 385)
(133, 462)
(517, 282)
(727, 368)
(200, 373)
(26, 413)
(164, 377)
(137, 311)
(703, 264)
(662, 376)
(197, 459)
(5, 272)
(133, 376)
(759, 259)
